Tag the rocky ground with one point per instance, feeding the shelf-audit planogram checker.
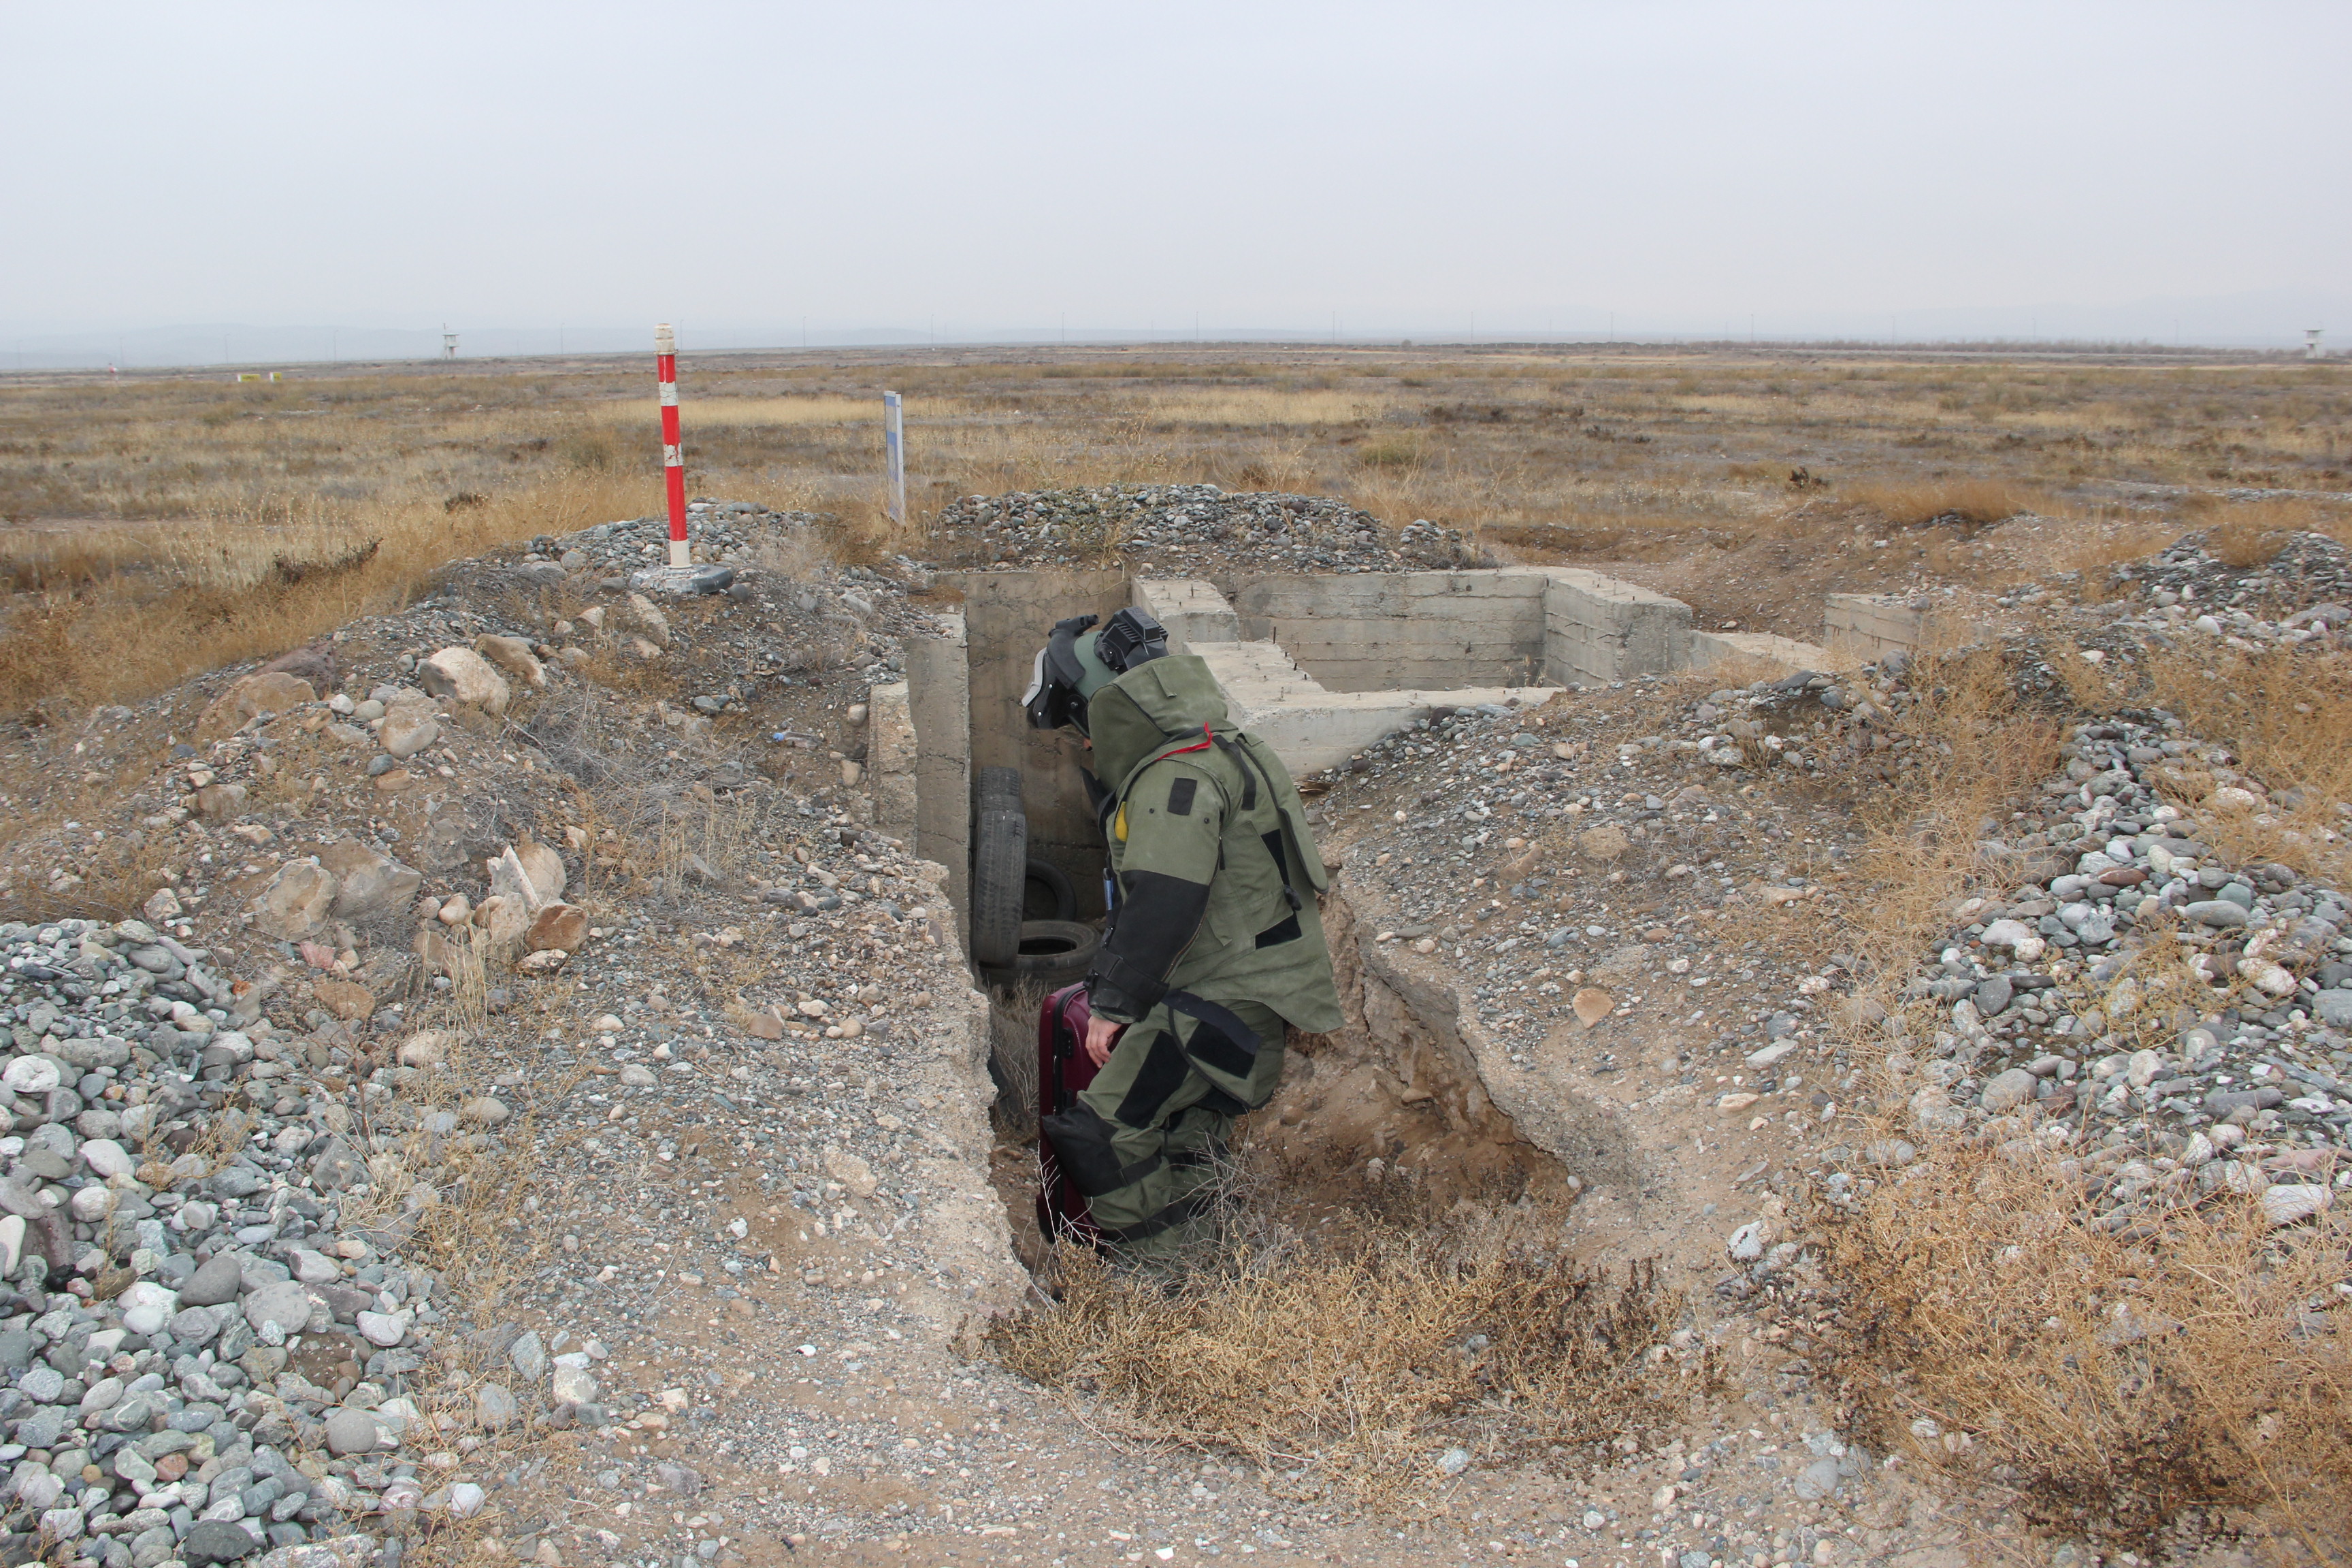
(535, 1115)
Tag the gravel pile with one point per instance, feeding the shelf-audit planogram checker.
(2060, 1016)
(723, 533)
(1179, 531)
(2302, 595)
(170, 1301)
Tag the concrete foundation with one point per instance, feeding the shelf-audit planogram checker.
(1311, 728)
(938, 705)
(1383, 632)
(1599, 628)
(1782, 656)
(1862, 628)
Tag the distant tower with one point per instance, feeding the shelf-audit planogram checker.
(448, 343)
(2311, 342)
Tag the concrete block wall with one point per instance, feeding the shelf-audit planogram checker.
(890, 760)
(1007, 616)
(1601, 628)
(1786, 655)
(1861, 628)
(1381, 632)
(1864, 625)
(1192, 609)
(939, 706)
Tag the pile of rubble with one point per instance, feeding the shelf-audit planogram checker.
(1190, 530)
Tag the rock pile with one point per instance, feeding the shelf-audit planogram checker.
(1191, 530)
(2308, 568)
(2173, 1022)
(722, 534)
(211, 1340)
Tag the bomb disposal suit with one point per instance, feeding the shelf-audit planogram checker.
(1214, 944)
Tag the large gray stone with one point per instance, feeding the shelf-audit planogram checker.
(211, 1541)
(351, 1432)
(461, 675)
(218, 1280)
(494, 1407)
(2008, 1089)
(2334, 1008)
(337, 1166)
(1817, 1479)
(285, 1303)
(408, 728)
(298, 902)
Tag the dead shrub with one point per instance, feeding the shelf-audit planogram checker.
(1012, 1058)
(2248, 533)
(2113, 1382)
(2286, 715)
(1353, 1363)
(1970, 503)
(1389, 452)
(1978, 749)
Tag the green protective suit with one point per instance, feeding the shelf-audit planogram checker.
(1216, 944)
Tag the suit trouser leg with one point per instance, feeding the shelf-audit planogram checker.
(1170, 1117)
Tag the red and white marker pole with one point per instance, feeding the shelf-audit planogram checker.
(673, 452)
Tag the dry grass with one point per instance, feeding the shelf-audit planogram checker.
(1972, 503)
(189, 493)
(709, 413)
(201, 595)
(1353, 1363)
(2248, 533)
(1979, 749)
(2285, 716)
(2112, 1382)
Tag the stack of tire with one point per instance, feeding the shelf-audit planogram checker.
(1025, 930)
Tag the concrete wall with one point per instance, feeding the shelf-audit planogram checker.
(939, 703)
(1192, 611)
(1382, 632)
(890, 760)
(1864, 625)
(1861, 628)
(1784, 655)
(1601, 628)
(1007, 616)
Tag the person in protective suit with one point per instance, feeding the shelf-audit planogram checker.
(1214, 942)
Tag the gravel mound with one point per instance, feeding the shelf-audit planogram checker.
(1179, 531)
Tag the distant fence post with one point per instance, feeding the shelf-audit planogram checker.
(893, 437)
(673, 453)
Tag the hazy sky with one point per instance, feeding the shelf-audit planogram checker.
(1432, 168)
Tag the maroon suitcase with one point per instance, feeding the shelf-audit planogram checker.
(1063, 1069)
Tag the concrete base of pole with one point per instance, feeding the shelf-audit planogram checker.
(683, 580)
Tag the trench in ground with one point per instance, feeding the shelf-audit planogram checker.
(1393, 1096)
